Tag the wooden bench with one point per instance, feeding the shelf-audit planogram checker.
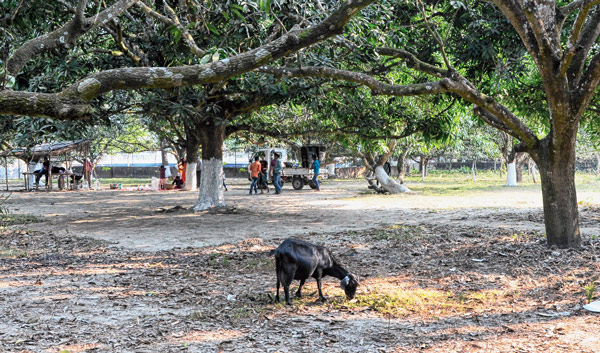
(75, 180)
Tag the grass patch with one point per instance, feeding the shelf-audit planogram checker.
(125, 181)
(419, 301)
(444, 182)
(6, 253)
(14, 219)
(219, 260)
(258, 264)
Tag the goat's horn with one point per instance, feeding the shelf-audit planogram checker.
(345, 282)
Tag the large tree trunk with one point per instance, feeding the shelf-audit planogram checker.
(375, 166)
(388, 184)
(211, 183)
(511, 169)
(520, 160)
(532, 167)
(163, 154)
(423, 161)
(192, 144)
(191, 181)
(401, 166)
(511, 174)
(557, 174)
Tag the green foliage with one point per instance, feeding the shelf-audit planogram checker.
(590, 290)
(8, 219)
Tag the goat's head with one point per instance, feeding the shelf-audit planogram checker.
(349, 285)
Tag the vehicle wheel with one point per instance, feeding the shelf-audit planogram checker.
(297, 183)
(312, 184)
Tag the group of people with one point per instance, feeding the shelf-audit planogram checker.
(47, 169)
(258, 170)
(179, 180)
(258, 173)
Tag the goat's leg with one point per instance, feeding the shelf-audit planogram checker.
(299, 291)
(286, 288)
(321, 297)
(278, 284)
(277, 273)
(287, 276)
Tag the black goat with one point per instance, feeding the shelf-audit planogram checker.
(297, 259)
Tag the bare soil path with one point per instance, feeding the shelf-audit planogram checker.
(140, 219)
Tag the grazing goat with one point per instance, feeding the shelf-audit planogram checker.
(297, 259)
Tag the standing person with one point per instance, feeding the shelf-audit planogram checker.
(162, 177)
(277, 174)
(87, 170)
(224, 177)
(182, 168)
(198, 172)
(263, 175)
(316, 169)
(255, 168)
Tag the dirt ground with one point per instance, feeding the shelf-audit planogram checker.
(117, 271)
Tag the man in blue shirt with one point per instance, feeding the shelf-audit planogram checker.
(277, 174)
(316, 169)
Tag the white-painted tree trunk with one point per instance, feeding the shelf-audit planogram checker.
(390, 185)
(190, 177)
(474, 170)
(511, 175)
(534, 173)
(30, 169)
(211, 185)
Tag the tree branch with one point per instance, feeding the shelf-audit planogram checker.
(374, 84)
(566, 10)
(589, 83)
(384, 157)
(491, 120)
(574, 38)
(413, 61)
(457, 84)
(79, 18)
(65, 35)
(587, 39)
(173, 20)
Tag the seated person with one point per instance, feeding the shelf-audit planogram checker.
(58, 170)
(44, 171)
(178, 182)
